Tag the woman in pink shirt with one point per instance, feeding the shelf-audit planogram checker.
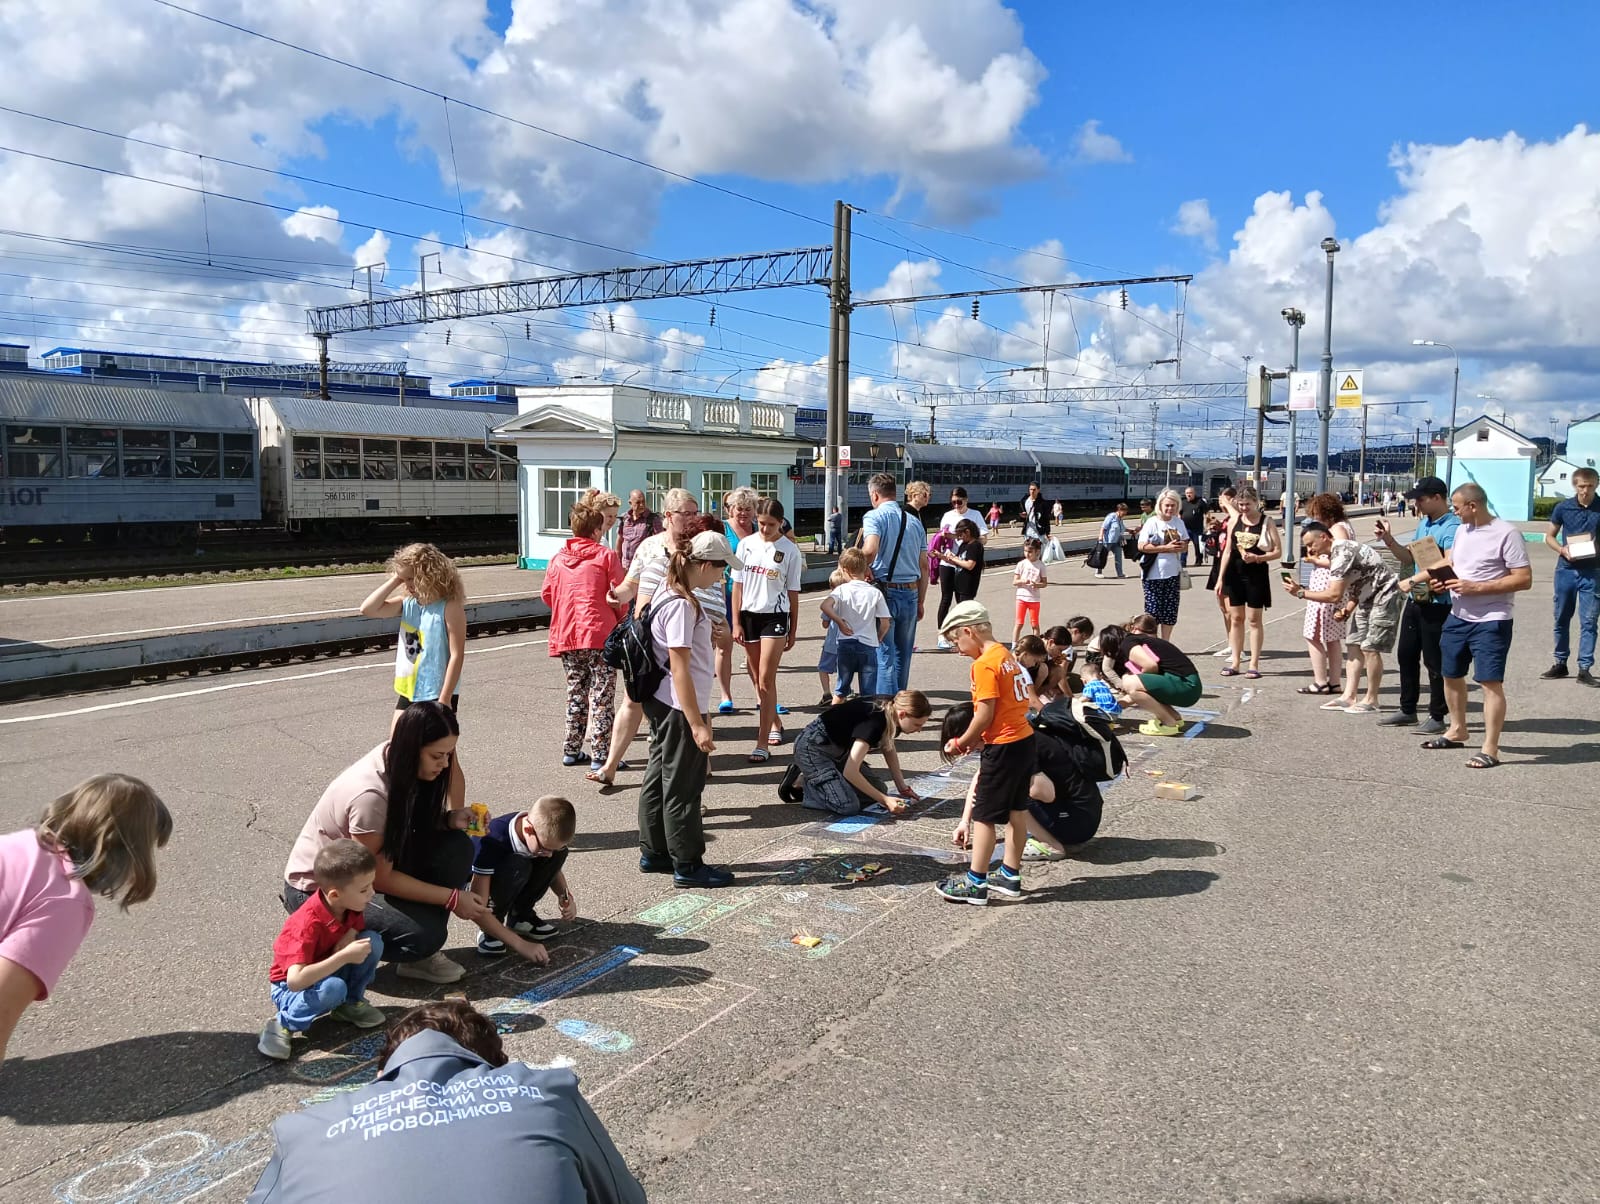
(580, 576)
(100, 839)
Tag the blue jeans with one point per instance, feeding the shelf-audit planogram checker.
(348, 984)
(1575, 591)
(894, 652)
(1115, 550)
(858, 661)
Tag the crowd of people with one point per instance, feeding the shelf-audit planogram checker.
(391, 851)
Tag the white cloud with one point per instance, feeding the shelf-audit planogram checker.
(1195, 221)
(316, 222)
(1093, 145)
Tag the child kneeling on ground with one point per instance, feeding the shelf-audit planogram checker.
(320, 963)
(1000, 727)
(829, 771)
(519, 858)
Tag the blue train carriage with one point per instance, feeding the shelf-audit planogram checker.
(112, 464)
(989, 474)
(1076, 478)
(342, 468)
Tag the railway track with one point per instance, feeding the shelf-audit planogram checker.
(66, 568)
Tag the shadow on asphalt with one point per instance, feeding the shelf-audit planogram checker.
(1223, 731)
(1553, 726)
(1155, 884)
(139, 1079)
(1119, 850)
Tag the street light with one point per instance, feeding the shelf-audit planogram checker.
(1455, 389)
(1330, 247)
(1296, 319)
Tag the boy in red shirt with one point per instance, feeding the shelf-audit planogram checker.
(320, 963)
(1000, 726)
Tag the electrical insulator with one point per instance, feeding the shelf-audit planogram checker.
(974, 309)
(527, 330)
(1124, 298)
(447, 338)
(611, 323)
(713, 315)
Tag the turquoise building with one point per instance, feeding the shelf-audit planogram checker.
(1501, 461)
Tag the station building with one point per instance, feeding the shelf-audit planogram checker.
(571, 438)
(1500, 460)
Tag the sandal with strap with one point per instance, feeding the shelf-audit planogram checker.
(1483, 760)
(1439, 742)
(1319, 688)
(759, 756)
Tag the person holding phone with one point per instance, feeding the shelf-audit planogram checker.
(1162, 541)
(1422, 619)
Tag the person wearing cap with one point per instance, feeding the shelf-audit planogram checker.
(1000, 727)
(1490, 564)
(671, 839)
(1425, 611)
(449, 1117)
(1574, 530)
(1367, 593)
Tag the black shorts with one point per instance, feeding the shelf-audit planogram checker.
(401, 702)
(1005, 774)
(1250, 585)
(758, 625)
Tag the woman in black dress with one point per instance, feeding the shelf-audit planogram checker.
(1246, 581)
(966, 558)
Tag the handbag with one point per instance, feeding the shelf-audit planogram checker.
(1097, 557)
(1053, 552)
(1184, 582)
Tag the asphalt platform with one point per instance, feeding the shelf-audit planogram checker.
(1349, 970)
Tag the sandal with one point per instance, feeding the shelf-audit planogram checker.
(775, 736)
(594, 775)
(1229, 671)
(1253, 674)
(725, 708)
(1439, 742)
(1319, 688)
(1335, 704)
(759, 756)
(1483, 761)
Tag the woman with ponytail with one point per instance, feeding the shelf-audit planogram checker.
(829, 771)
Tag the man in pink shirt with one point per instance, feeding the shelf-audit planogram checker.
(1490, 563)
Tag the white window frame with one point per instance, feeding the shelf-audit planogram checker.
(559, 490)
(760, 479)
(656, 483)
(711, 494)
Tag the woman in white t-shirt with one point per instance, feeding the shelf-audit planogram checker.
(959, 512)
(1163, 537)
(766, 594)
(671, 837)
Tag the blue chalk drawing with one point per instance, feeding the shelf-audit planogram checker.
(853, 823)
(556, 985)
(603, 1040)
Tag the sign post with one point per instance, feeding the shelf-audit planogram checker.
(1348, 395)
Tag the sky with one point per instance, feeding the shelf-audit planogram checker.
(233, 164)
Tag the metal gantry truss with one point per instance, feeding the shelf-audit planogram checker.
(689, 278)
(375, 368)
(1076, 394)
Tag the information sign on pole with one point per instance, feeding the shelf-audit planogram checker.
(844, 456)
(1302, 390)
(1258, 390)
(1347, 389)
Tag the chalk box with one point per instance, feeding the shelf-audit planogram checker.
(1178, 791)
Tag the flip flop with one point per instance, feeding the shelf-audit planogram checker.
(1439, 742)
(775, 736)
(1483, 761)
(758, 756)
(594, 775)
(1228, 671)
(1334, 704)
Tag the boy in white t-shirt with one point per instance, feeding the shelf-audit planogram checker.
(1029, 578)
(859, 613)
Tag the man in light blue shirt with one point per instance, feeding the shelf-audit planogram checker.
(898, 546)
(1113, 531)
(1425, 612)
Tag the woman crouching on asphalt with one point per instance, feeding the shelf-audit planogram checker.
(1156, 676)
(829, 771)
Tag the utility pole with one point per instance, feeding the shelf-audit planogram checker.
(1261, 421)
(1330, 247)
(322, 366)
(838, 424)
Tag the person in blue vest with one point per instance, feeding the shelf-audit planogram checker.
(897, 545)
(1574, 531)
(448, 1118)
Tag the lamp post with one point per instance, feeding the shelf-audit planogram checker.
(1296, 319)
(1455, 389)
(1330, 247)
(1169, 465)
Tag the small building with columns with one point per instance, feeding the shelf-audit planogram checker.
(571, 438)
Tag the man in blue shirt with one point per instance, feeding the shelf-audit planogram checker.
(1425, 612)
(898, 548)
(1573, 534)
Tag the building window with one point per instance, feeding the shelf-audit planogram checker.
(656, 483)
(764, 483)
(714, 486)
(560, 489)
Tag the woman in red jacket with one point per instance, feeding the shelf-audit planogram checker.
(575, 587)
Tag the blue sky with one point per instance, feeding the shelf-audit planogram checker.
(1211, 110)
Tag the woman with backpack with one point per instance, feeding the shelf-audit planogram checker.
(1064, 801)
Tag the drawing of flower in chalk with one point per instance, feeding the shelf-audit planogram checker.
(603, 1040)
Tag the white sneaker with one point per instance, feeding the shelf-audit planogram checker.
(437, 968)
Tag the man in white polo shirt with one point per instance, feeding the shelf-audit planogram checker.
(1491, 567)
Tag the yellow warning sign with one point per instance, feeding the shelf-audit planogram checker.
(1349, 394)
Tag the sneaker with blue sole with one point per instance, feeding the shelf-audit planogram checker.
(958, 888)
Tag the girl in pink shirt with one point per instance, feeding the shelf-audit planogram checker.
(100, 839)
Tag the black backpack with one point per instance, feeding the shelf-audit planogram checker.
(631, 649)
(1087, 735)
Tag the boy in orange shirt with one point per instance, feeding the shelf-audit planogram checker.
(1000, 726)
